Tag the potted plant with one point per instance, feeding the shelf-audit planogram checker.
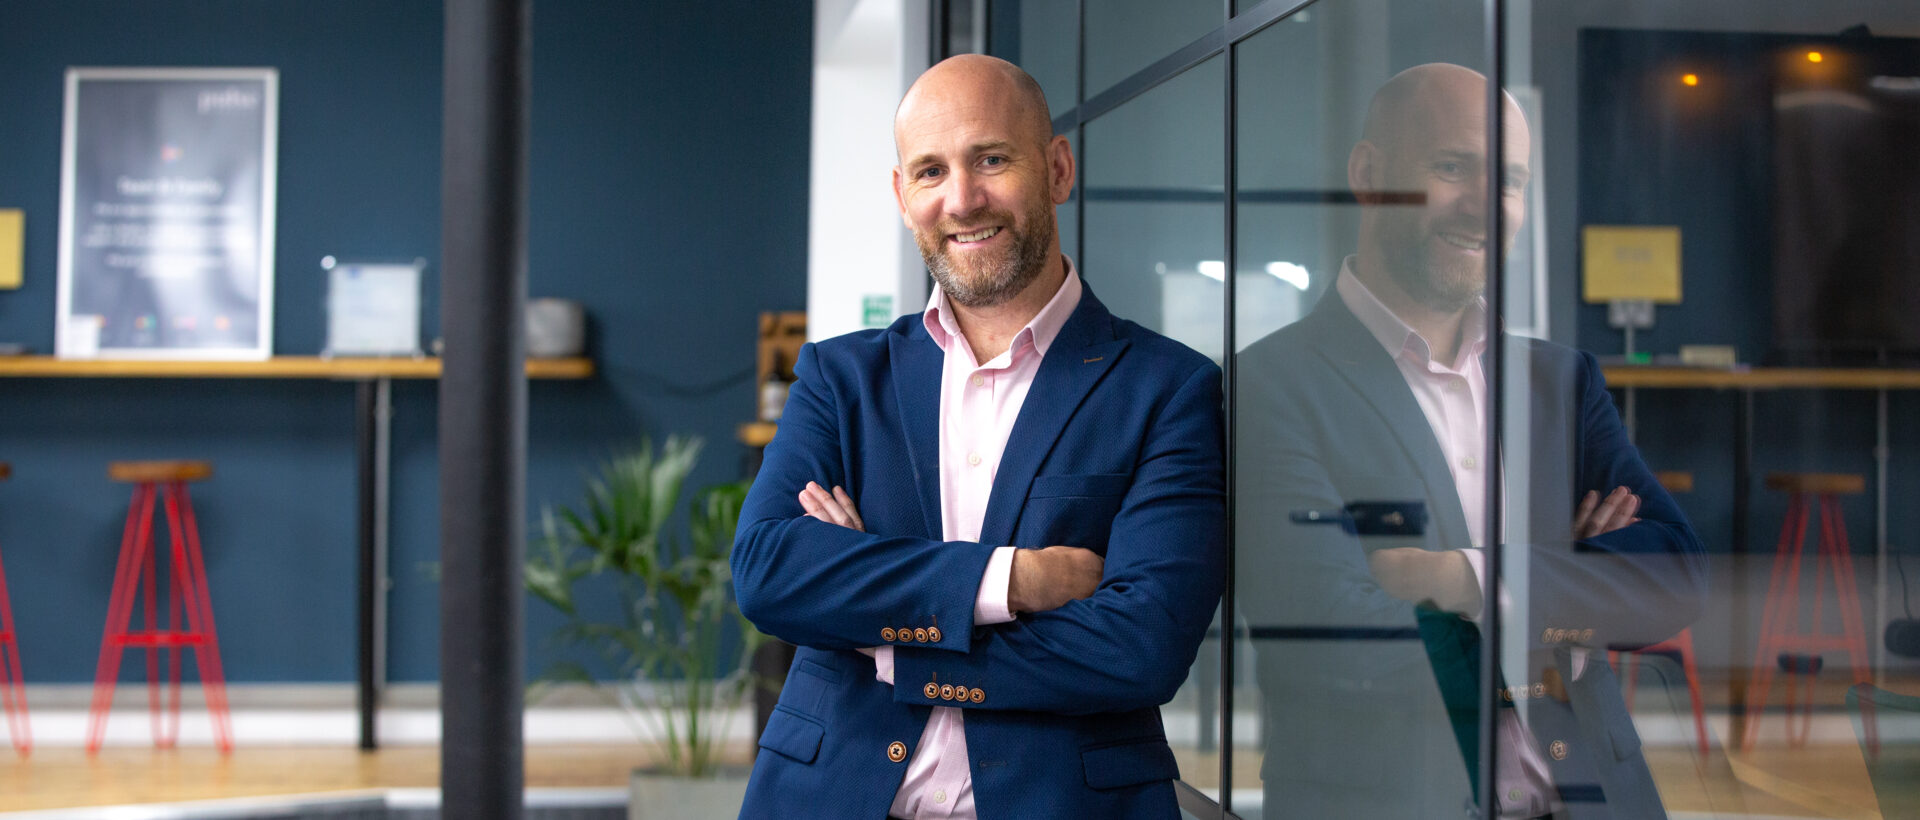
(677, 641)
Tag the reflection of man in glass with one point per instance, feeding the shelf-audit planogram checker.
(1367, 644)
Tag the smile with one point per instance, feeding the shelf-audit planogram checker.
(1462, 242)
(977, 236)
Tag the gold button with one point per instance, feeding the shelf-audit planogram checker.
(932, 690)
(920, 635)
(933, 634)
(977, 695)
(896, 751)
(1558, 749)
(946, 691)
(1546, 635)
(886, 634)
(904, 633)
(1586, 636)
(960, 693)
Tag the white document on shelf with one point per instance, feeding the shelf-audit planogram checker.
(373, 310)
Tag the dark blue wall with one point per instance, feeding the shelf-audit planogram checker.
(1653, 152)
(669, 194)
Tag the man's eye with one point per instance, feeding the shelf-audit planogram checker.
(993, 161)
(1449, 169)
(929, 173)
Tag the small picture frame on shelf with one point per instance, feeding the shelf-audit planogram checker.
(373, 308)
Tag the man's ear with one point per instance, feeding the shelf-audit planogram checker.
(900, 198)
(1363, 171)
(1060, 169)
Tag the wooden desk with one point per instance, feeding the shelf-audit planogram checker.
(374, 411)
(1747, 380)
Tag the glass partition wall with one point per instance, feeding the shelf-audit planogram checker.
(1564, 465)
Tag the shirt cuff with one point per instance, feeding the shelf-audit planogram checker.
(882, 664)
(990, 604)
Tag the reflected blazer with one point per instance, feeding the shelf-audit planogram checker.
(1357, 684)
(1117, 449)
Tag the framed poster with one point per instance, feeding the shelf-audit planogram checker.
(167, 185)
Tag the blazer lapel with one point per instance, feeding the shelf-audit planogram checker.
(1359, 359)
(1083, 352)
(916, 363)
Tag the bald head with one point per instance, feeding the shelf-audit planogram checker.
(1419, 98)
(971, 85)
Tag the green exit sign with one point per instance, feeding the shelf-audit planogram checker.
(876, 309)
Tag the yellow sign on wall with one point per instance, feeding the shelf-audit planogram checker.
(1631, 262)
(12, 247)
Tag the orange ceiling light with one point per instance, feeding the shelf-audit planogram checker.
(1815, 56)
(1690, 79)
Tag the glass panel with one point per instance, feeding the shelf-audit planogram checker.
(1355, 507)
(1124, 36)
(1155, 222)
(1746, 170)
(1042, 37)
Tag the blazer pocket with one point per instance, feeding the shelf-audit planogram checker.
(793, 735)
(1094, 485)
(806, 686)
(1129, 763)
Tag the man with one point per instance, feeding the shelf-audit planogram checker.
(941, 672)
(1368, 644)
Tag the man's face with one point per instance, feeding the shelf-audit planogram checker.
(978, 190)
(1436, 250)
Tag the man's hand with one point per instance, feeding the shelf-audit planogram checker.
(1442, 579)
(1597, 516)
(834, 508)
(1048, 578)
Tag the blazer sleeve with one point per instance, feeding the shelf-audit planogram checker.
(1131, 643)
(1636, 585)
(812, 583)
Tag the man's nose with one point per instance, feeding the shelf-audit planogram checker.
(966, 194)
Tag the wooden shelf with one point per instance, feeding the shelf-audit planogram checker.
(757, 433)
(1762, 378)
(278, 367)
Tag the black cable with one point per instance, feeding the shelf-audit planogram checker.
(1906, 602)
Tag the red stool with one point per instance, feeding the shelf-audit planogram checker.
(13, 690)
(187, 589)
(1675, 481)
(1782, 643)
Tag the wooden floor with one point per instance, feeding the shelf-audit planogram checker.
(54, 778)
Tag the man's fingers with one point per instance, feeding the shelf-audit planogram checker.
(853, 512)
(1623, 515)
(1584, 513)
(821, 505)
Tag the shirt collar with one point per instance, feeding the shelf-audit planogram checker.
(1040, 331)
(1400, 339)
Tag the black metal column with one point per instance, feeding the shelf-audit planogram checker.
(483, 406)
(369, 577)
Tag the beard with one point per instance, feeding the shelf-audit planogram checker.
(985, 281)
(1444, 284)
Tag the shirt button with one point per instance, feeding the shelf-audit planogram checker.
(1513, 795)
(1458, 385)
(940, 796)
(973, 459)
(979, 380)
(1469, 462)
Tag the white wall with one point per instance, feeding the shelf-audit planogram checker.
(866, 53)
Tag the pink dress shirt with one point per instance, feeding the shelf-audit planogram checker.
(978, 405)
(1453, 397)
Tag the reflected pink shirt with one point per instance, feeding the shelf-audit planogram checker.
(978, 406)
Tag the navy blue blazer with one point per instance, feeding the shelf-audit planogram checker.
(1356, 684)
(1118, 449)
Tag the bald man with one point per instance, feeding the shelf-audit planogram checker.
(1367, 636)
(995, 530)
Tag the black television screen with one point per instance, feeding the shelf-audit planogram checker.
(1846, 201)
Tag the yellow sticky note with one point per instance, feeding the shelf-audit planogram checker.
(1624, 262)
(12, 226)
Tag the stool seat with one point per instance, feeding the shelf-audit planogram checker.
(1817, 483)
(136, 472)
(1675, 481)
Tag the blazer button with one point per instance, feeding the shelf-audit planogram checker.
(886, 634)
(946, 691)
(904, 633)
(961, 693)
(932, 690)
(933, 634)
(896, 751)
(1558, 749)
(919, 635)
(977, 695)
